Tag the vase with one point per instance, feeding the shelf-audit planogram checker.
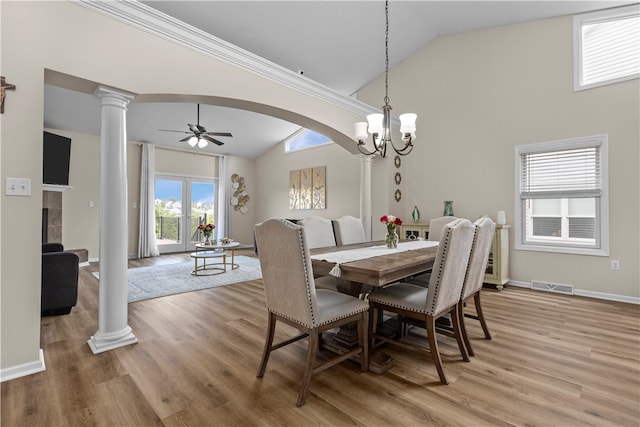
(415, 214)
(448, 208)
(207, 239)
(501, 218)
(391, 239)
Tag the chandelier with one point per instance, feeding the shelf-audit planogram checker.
(379, 125)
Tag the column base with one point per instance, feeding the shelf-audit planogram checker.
(102, 342)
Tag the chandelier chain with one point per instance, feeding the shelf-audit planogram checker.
(386, 53)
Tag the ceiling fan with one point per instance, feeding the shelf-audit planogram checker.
(198, 135)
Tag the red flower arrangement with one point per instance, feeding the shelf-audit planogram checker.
(391, 239)
(206, 229)
(391, 221)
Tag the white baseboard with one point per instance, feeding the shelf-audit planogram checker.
(23, 370)
(583, 293)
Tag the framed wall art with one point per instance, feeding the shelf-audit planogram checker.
(307, 188)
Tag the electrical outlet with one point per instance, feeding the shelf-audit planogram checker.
(615, 264)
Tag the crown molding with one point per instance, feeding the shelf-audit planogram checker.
(148, 19)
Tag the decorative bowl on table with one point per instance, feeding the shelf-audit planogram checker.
(225, 240)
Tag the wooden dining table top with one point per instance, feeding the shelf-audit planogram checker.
(380, 270)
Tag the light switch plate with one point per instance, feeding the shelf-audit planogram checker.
(18, 186)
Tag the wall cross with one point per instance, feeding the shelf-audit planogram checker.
(5, 87)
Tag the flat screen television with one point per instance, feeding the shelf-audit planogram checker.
(56, 154)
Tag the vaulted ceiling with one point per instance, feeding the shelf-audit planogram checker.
(339, 44)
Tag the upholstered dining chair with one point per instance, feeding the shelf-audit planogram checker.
(318, 232)
(436, 226)
(349, 230)
(435, 233)
(474, 277)
(292, 298)
(428, 304)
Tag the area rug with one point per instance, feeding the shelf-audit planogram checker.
(170, 279)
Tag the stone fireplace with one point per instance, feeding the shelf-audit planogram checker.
(52, 222)
(51, 217)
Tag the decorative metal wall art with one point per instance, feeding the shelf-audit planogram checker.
(398, 179)
(240, 197)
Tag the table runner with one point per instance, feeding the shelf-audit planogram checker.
(348, 255)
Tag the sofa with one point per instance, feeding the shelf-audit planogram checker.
(59, 280)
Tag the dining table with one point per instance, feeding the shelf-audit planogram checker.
(364, 267)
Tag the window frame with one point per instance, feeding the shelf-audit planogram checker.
(592, 17)
(602, 202)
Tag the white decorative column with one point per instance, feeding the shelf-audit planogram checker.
(113, 330)
(365, 193)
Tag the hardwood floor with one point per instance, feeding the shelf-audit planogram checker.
(554, 360)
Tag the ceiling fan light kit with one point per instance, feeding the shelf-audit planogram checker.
(379, 125)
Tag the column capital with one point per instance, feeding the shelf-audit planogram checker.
(366, 159)
(105, 92)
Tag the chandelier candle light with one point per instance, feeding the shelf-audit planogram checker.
(379, 125)
(391, 239)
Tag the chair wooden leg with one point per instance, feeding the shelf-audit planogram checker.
(463, 329)
(433, 348)
(457, 331)
(271, 327)
(363, 338)
(483, 323)
(308, 372)
(373, 314)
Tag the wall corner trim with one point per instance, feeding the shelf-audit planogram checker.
(23, 370)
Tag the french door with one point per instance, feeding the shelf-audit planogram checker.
(181, 204)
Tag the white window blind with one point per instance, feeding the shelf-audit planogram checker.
(567, 173)
(607, 46)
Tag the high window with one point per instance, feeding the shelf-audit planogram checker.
(303, 139)
(606, 46)
(562, 197)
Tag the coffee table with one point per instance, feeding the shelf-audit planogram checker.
(210, 269)
(222, 247)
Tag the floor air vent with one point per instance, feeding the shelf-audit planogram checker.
(552, 287)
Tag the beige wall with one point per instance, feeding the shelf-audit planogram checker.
(173, 162)
(342, 182)
(70, 39)
(477, 96)
(241, 225)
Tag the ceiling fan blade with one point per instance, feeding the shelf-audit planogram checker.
(194, 128)
(201, 129)
(169, 130)
(215, 141)
(186, 138)
(218, 133)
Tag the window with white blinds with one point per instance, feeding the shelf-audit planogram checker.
(562, 196)
(606, 46)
